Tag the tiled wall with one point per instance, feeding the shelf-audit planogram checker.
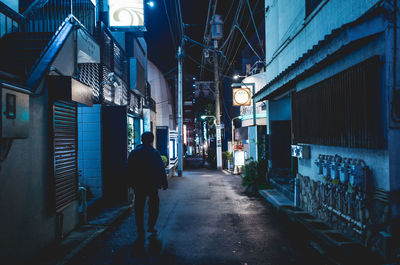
(89, 144)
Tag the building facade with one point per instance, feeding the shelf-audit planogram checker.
(70, 86)
(331, 70)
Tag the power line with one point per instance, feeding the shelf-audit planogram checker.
(238, 46)
(170, 71)
(180, 19)
(170, 26)
(255, 27)
(248, 43)
(232, 42)
(205, 39)
(234, 21)
(206, 68)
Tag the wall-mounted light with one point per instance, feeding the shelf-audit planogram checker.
(150, 4)
(238, 76)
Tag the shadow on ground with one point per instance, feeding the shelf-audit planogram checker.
(149, 252)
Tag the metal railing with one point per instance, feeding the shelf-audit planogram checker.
(10, 20)
(46, 16)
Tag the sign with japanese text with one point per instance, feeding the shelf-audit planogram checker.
(241, 97)
(238, 147)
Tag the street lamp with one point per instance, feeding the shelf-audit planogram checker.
(203, 117)
(236, 77)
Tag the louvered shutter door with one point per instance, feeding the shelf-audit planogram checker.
(65, 152)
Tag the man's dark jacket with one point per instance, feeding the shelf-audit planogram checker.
(146, 169)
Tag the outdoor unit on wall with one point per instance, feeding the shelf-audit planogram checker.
(14, 112)
(300, 151)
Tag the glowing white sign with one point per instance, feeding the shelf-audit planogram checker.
(239, 158)
(126, 13)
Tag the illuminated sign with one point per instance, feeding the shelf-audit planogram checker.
(126, 13)
(239, 158)
(241, 97)
(238, 147)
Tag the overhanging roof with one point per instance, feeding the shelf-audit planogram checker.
(336, 44)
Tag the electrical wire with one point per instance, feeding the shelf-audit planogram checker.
(232, 42)
(255, 27)
(238, 46)
(205, 39)
(180, 19)
(234, 22)
(203, 46)
(205, 67)
(170, 26)
(248, 43)
(170, 71)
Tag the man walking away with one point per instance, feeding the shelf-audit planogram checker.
(146, 174)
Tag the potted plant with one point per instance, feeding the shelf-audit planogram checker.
(254, 176)
(229, 158)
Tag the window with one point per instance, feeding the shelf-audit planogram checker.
(311, 5)
(343, 110)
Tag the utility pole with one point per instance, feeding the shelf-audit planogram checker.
(180, 113)
(217, 111)
(216, 35)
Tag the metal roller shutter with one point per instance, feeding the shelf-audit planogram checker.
(65, 152)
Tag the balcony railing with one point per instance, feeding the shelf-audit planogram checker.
(10, 20)
(46, 16)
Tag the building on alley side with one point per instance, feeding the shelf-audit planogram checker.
(333, 107)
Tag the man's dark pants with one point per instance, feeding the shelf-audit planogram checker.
(140, 201)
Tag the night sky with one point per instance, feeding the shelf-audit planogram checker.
(161, 45)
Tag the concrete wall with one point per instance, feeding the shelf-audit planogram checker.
(89, 146)
(289, 34)
(162, 96)
(26, 204)
(376, 160)
(252, 130)
(26, 201)
(280, 110)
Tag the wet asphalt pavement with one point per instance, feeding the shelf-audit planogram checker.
(205, 218)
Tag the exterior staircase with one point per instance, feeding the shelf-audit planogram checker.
(20, 50)
(29, 37)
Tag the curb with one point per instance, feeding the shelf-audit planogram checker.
(92, 238)
(320, 238)
(80, 238)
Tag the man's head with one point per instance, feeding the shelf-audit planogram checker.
(147, 138)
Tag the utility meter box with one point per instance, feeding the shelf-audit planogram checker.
(300, 151)
(14, 113)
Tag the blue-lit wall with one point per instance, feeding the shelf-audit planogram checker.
(280, 110)
(89, 149)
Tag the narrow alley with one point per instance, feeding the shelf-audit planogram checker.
(205, 218)
(260, 131)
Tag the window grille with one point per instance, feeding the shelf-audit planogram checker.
(343, 110)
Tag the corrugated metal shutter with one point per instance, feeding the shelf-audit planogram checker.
(65, 153)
